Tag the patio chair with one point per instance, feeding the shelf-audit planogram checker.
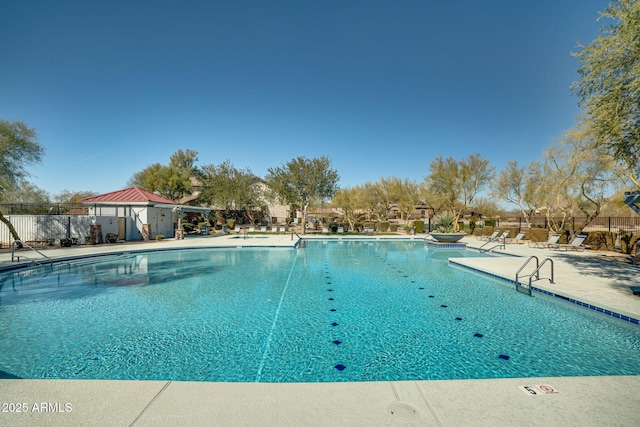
(263, 229)
(491, 237)
(274, 229)
(236, 230)
(340, 230)
(577, 244)
(252, 229)
(518, 239)
(325, 230)
(553, 239)
(283, 229)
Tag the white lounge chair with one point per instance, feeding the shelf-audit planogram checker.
(491, 237)
(553, 239)
(282, 229)
(340, 230)
(274, 229)
(263, 229)
(518, 239)
(576, 245)
(252, 229)
(236, 230)
(325, 230)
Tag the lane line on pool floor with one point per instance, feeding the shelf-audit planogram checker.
(275, 320)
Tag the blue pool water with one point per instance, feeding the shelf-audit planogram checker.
(333, 311)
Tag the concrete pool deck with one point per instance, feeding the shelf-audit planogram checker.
(585, 401)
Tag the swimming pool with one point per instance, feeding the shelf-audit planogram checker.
(333, 311)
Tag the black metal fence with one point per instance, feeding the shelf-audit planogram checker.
(601, 223)
(43, 209)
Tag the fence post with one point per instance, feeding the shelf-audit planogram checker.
(609, 224)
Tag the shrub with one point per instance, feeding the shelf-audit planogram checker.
(478, 231)
(159, 237)
(393, 228)
(627, 242)
(445, 222)
(601, 240)
(419, 226)
(187, 227)
(491, 223)
(383, 226)
(66, 243)
(231, 223)
(111, 238)
(538, 234)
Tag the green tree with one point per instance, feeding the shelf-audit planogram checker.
(180, 171)
(172, 181)
(458, 183)
(405, 194)
(350, 201)
(152, 178)
(26, 192)
(301, 182)
(581, 175)
(578, 176)
(373, 200)
(227, 187)
(68, 196)
(19, 147)
(609, 85)
(513, 185)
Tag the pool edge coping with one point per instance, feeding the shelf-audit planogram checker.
(601, 310)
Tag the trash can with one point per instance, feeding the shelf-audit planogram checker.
(224, 228)
(204, 231)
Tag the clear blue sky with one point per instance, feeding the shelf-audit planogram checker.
(381, 87)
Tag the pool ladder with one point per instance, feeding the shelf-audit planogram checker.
(536, 273)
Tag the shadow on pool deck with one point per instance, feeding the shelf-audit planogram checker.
(584, 401)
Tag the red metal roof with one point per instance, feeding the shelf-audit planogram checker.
(129, 195)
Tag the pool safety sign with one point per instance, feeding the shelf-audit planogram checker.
(538, 390)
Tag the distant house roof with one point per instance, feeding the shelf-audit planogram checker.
(132, 195)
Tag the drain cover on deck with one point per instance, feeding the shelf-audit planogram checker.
(403, 411)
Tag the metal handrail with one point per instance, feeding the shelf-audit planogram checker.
(292, 233)
(23, 245)
(525, 264)
(535, 272)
